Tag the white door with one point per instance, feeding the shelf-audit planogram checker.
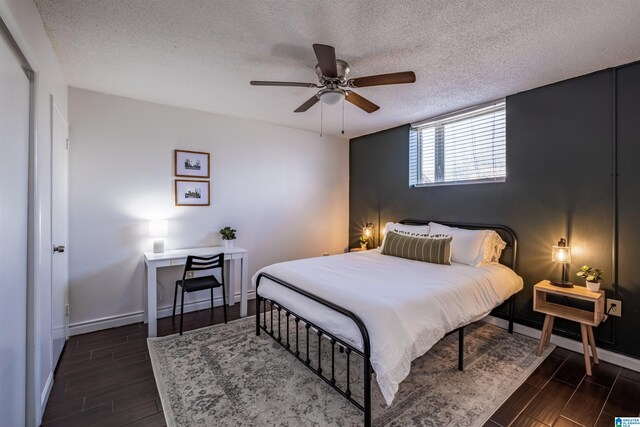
(59, 204)
(14, 176)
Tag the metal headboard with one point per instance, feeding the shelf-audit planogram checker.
(509, 253)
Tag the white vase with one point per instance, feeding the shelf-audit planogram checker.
(593, 286)
(363, 246)
(228, 244)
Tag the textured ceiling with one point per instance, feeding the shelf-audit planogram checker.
(202, 54)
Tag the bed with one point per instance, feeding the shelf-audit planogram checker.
(386, 309)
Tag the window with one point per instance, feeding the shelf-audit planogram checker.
(465, 147)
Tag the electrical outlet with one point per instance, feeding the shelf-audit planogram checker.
(617, 307)
(189, 274)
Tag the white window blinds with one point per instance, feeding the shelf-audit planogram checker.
(464, 147)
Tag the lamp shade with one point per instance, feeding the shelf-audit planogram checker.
(561, 253)
(158, 228)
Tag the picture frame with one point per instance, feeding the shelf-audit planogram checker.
(192, 192)
(192, 164)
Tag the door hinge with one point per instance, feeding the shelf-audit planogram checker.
(66, 310)
(67, 144)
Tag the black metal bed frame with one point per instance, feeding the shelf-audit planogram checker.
(508, 258)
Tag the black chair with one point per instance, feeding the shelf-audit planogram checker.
(197, 263)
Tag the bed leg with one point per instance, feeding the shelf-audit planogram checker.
(258, 307)
(367, 392)
(257, 315)
(461, 349)
(511, 314)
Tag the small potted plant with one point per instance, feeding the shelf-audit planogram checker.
(364, 240)
(592, 276)
(228, 235)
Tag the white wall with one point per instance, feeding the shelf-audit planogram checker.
(284, 190)
(24, 23)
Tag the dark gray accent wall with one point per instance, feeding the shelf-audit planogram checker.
(560, 162)
(628, 135)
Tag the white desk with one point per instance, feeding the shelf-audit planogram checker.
(153, 261)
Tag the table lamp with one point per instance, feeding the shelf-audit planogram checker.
(561, 253)
(367, 231)
(158, 230)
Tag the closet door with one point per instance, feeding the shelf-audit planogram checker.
(14, 173)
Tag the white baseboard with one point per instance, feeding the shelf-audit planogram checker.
(46, 391)
(569, 344)
(105, 323)
(138, 316)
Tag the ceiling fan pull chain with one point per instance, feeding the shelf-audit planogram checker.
(321, 115)
(343, 116)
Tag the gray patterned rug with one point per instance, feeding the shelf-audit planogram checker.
(225, 375)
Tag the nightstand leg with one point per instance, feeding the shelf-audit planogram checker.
(543, 335)
(592, 344)
(585, 346)
(549, 330)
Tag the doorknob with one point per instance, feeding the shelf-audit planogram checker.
(58, 248)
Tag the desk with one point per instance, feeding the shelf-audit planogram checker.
(153, 261)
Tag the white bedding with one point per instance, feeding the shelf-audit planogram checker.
(407, 306)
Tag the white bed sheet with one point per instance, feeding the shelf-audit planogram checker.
(407, 306)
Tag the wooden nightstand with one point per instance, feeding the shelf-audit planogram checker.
(587, 318)
(357, 250)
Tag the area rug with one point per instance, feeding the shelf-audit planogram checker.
(225, 375)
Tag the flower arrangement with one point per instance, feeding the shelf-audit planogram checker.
(590, 274)
(228, 233)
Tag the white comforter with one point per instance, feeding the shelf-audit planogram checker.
(407, 306)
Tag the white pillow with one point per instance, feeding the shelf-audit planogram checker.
(487, 245)
(406, 230)
(491, 249)
(467, 246)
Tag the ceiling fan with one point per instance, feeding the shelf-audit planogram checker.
(334, 84)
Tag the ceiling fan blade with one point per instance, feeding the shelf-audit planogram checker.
(308, 104)
(361, 102)
(384, 79)
(266, 83)
(326, 60)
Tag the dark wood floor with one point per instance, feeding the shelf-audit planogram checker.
(558, 393)
(105, 379)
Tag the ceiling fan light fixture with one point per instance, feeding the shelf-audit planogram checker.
(334, 82)
(331, 97)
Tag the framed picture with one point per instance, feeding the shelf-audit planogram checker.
(191, 164)
(192, 193)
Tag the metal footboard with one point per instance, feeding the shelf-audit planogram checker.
(267, 325)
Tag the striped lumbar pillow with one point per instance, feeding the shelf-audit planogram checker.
(437, 251)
